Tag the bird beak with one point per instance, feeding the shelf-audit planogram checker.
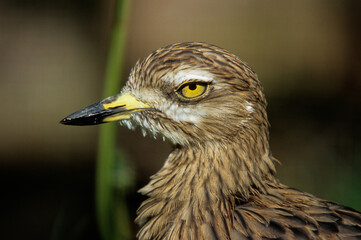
(114, 108)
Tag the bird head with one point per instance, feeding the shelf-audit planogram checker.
(187, 93)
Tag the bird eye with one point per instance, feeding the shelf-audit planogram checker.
(192, 90)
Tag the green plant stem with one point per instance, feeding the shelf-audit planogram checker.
(105, 197)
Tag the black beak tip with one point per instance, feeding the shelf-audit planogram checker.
(91, 115)
(65, 121)
(82, 120)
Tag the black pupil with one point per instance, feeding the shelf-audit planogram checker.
(192, 86)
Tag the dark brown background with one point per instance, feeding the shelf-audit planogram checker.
(52, 62)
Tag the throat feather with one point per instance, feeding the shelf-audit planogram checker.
(196, 180)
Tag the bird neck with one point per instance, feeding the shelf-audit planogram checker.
(213, 170)
(196, 180)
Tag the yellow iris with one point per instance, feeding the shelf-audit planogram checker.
(192, 90)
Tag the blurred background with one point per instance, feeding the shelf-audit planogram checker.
(52, 63)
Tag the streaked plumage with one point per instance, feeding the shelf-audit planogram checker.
(218, 182)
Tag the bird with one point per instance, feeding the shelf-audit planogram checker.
(219, 180)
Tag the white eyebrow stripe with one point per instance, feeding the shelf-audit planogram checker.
(182, 76)
(195, 76)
